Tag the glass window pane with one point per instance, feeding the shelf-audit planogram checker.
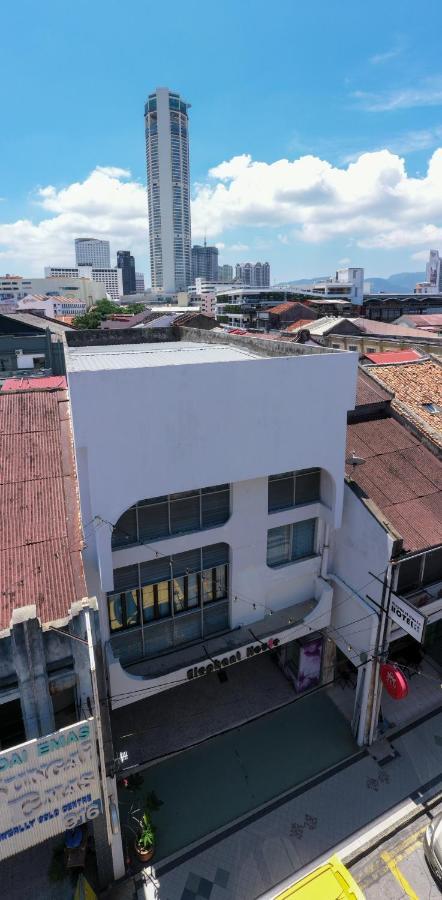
(409, 574)
(207, 586)
(184, 512)
(125, 577)
(153, 519)
(307, 486)
(278, 545)
(192, 591)
(433, 566)
(125, 531)
(115, 612)
(221, 582)
(178, 595)
(131, 603)
(215, 505)
(215, 555)
(187, 628)
(281, 491)
(163, 596)
(303, 539)
(216, 618)
(148, 601)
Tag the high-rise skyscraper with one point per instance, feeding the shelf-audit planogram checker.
(253, 274)
(126, 262)
(225, 273)
(92, 252)
(205, 262)
(168, 190)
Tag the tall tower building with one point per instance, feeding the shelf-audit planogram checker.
(205, 262)
(126, 262)
(92, 252)
(168, 190)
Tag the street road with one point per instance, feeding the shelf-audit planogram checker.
(397, 868)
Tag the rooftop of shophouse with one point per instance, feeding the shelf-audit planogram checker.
(40, 530)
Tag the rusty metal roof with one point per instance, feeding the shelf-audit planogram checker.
(40, 533)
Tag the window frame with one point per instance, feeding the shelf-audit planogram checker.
(172, 504)
(291, 526)
(295, 476)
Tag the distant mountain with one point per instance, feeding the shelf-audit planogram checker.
(401, 283)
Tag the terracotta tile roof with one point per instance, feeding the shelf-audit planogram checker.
(368, 392)
(387, 357)
(282, 307)
(40, 535)
(431, 320)
(401, 476)
(301, 323)
(414, 385)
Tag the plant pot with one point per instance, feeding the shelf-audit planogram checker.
(144, 855)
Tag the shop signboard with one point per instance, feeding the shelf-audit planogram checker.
(47, 786)
(412, 620)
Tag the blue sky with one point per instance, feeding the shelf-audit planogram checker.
(320, 82)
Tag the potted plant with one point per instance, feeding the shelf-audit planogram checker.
(145, 839)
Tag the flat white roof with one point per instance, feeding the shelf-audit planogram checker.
(140, 356)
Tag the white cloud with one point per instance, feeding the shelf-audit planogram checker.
(392, 53)
(372, 201)
(107, 204)
(345, 261)
(427, 93)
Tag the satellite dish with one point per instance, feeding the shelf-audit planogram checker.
(354, 460)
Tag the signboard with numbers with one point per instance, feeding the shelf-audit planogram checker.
(48, 785)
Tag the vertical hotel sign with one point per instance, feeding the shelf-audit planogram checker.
(48, 785)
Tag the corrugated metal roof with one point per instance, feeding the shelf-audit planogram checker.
(41, 322)
(49, 382)
(136, 356)
(401, 476)
(388, 357)
(40, 534)
(368, 392)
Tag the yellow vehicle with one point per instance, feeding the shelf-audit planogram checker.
(328, 882)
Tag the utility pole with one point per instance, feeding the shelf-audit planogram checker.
(90, 645)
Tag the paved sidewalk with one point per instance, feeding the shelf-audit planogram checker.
(250, 857)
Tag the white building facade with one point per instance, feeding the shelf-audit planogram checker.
(168, 190)
(52, 306)
(67, 284)
(199, 550)
(111, 279)
(92, 252)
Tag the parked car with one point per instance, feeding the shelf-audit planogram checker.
(433, 847)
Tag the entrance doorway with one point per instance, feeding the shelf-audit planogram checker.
(12, 729)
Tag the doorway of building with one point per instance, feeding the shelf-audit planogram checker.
(12, 729)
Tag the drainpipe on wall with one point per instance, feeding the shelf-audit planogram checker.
(325, 551)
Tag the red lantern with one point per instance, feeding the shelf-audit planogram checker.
(394, 681)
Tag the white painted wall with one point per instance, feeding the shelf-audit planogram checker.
(191, 426)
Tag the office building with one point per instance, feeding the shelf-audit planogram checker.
(225, 273)
(139, 283)
(109, 278)
(68, 283)
(253, 274)
(92, 252)
(168, 190)
(126, 262)
(204, 262)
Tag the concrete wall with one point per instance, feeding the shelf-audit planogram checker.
(191, 426)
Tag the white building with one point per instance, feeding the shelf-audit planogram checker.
(346, 284)
(16, 287)
(168, 190)
(433, 275)
(139, 282)
(92, 252)
(253, 274)
(110, 278)
(202, 557)
(52, 306)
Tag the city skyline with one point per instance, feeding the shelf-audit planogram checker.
(347, 171)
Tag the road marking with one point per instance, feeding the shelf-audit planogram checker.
(392, 865)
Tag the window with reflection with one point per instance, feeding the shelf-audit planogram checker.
(162, 517)
(291, 543)
(171, 588)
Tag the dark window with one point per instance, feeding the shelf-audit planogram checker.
(162, 517)
(293, 489)
(290, 543)
(12, 730)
